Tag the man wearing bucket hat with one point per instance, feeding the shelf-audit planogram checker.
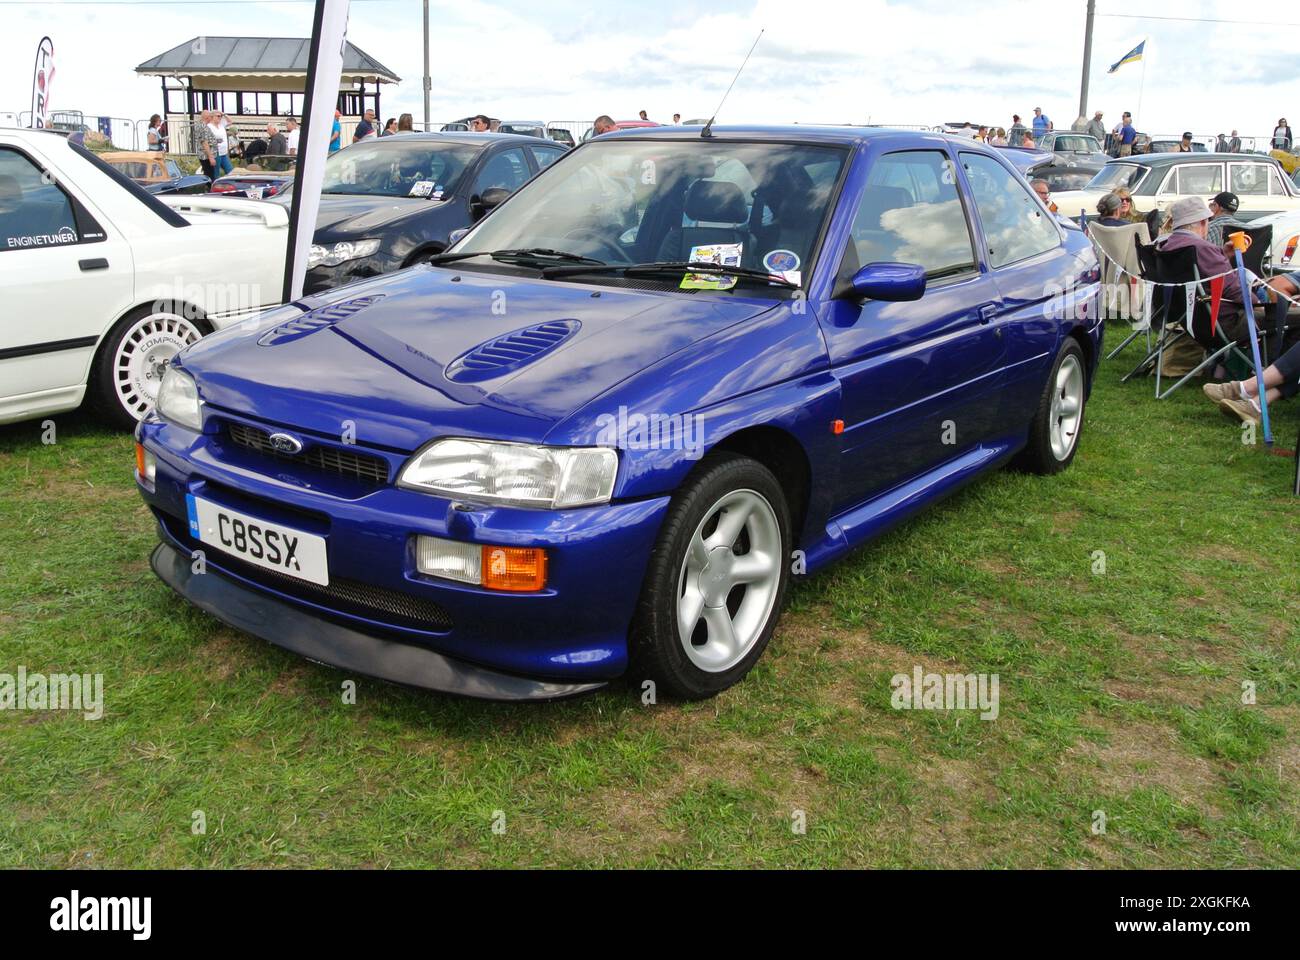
(1191, 223)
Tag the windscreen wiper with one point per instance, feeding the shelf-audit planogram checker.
(670, 266)
(524, 253)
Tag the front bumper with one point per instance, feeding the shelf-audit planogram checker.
(574, 631)
(339, 646)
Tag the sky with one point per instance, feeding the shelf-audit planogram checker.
(868, 61)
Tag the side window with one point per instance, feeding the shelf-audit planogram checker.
(173, 171)
(1015, 225)
(507, 169)
(33, 213)
(1248, 179)
(1275, 186)
(545, 156)
(911, 212)
(1200, 178)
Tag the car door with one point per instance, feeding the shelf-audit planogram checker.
(1257, 185)
(63, 276)
(918, 379)
(1191, 180)
(1024, 248)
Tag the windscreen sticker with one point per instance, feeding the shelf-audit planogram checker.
(437, 193)
(723, 254)
(784, 264)
(421, 188)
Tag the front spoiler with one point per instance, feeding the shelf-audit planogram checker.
(338, 646)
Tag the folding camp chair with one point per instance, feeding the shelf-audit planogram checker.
(1160, 302)
(1180, 267)
(1120, 268)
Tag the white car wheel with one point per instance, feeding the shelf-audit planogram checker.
(141, 355)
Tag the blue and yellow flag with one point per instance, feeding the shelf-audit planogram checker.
(1133, 56)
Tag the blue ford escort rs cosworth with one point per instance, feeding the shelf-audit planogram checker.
(597, 437)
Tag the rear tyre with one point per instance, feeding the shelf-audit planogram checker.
(133, 357)
(1058, 422)
(716, 581)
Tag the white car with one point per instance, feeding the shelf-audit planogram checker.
(1284, 254)
(103, 283)
(1156, 180)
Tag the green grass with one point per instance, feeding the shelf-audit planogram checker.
(1120, 692)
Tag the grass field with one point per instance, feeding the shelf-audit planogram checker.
(1121, 692)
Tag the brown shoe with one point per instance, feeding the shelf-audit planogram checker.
(1247, 411)
(1222, 391)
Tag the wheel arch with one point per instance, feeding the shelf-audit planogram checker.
(783, 454)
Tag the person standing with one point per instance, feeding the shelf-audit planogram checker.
(217, 125)
(291, 136)
(366, 128)
(1016, 135)
(1126, 135)
(275, 142)
(643, 115)
(1096, 128)
(1234, 145)
(480, 124)
(1282, 136)
(603, 124)
(1185, 144)
(336, 132)
(206, 143)
(406, 123)
(157, 142)
(390, 127)
(1042, 124)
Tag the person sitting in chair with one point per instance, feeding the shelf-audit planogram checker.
(1241, 398)
(1222, 220)
(1108, 208)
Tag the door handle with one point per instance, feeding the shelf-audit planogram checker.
(988, 312)
(99, 263)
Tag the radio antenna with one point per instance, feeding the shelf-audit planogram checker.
(708, 127)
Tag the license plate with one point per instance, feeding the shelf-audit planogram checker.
(259, 542)
(255, 193)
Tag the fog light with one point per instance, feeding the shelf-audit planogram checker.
(517, 569)
(145, 463)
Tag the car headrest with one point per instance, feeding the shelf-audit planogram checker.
(716, 201)
(10, 188)
(880, 199)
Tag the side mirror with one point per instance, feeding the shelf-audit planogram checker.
(484, 203)
(455, 235)
(893, 282)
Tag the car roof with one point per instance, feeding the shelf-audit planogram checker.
(1165, 159)
(454, 136)
(804, 133)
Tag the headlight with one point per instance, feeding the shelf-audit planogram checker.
(514, 473)
(341, 252)
(178, 399)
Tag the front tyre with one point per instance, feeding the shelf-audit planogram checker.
(1058, 422)
(133, 358)
(716, 580)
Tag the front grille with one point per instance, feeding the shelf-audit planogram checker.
(345, 596)
(344, 462)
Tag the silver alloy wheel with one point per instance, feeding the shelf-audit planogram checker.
(728, 583)
(142, 358)
(1067, 407)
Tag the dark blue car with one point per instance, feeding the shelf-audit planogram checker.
(598, 437)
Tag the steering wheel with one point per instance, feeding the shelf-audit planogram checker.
(592, 235)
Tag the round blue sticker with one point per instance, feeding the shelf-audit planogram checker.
(781, 261)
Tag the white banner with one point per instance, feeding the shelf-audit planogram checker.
(324, 73)
(42, 77)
